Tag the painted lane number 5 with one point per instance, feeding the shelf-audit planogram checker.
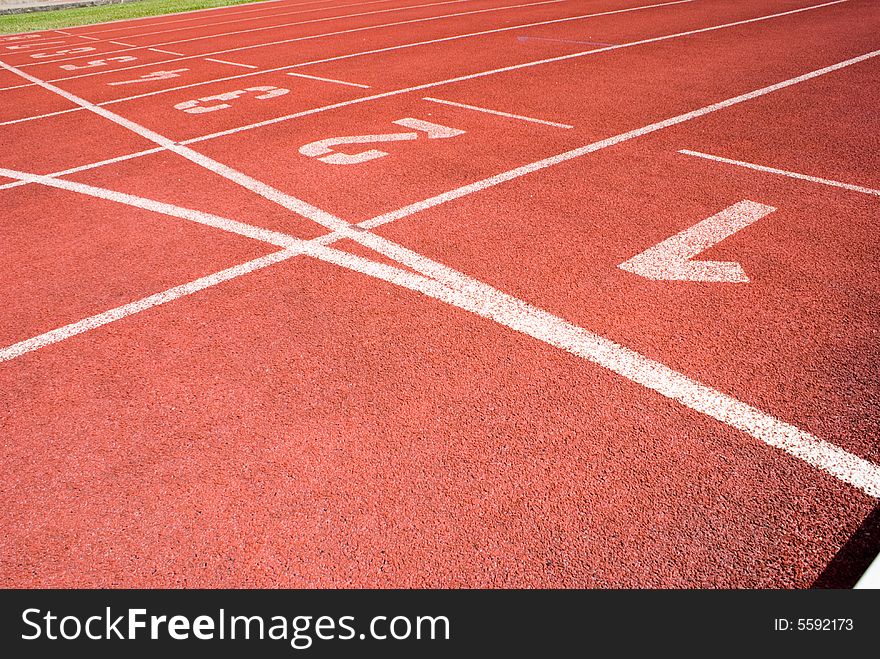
(196, 106)
(323, 150)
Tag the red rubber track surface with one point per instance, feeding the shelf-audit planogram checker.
(362, 417)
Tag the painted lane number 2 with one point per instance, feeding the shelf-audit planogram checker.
(196, 106)
(323, 150)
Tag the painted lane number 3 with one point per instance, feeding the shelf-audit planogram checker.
(323, 150)
(196, 106)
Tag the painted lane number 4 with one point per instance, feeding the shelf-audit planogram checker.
(323, 150)
(150, 77)
(66, 51)
(196, 106)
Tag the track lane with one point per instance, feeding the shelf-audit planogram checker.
(66, 257)
(795, 562)
(797, 340)
(424, 451)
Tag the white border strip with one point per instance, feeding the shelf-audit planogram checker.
(782, 172)
(333, 80)
(870, 580)
(221, 61)
(495, 112)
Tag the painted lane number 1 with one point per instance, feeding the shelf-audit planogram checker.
(323, 150)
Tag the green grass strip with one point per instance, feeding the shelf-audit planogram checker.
(61, 18)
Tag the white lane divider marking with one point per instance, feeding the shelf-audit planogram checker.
(98, 62)
(323, 149)
(118, 313)
(870, 580)
(288, 201)
(538, 165)
(93, 165)
(223, 61)
(497, 112)
(457, 289)
(672, 259)
(215, 221)
(150, 77)
(168, 52)
(121, 43)
(334, 80)
(214, 24)
(195, 106)
(41, 116)
(783, 172)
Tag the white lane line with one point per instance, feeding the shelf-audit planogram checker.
(215, 221)
(127, 45)
(93, 322)
(375, 51)
(93, 165)
(608, 142)
(583, 43)
(39, 116)
(500, 114)
(289, 13)
(514, 67)
(334, 80)
(782, 172)
(870, 580)
(167, 52)
(220, 61)
(310, 37)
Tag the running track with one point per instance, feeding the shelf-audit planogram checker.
(561, 293)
